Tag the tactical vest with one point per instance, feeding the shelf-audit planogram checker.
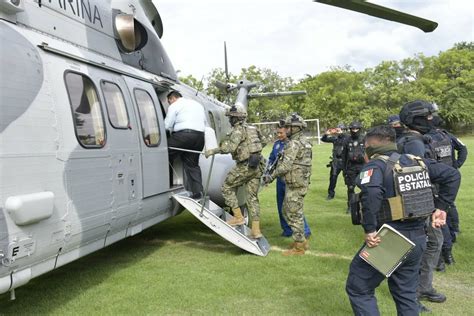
(413, 190)
(338, 148)
(251, 144)
(441, 146)
(300, 172)
(355, 150)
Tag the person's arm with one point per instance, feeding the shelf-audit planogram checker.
(372, 193)
(328, 138)
(461, 150)
(284, 166)
(170, 117)
(448, 180)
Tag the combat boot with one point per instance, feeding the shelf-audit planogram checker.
(441, 267)
(296, 250)
(447, 256)
(238, 218)
(256, 233)
(305, 243)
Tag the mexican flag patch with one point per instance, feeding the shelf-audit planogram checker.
(365, 176)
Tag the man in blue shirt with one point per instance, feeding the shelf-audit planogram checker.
(280, 187)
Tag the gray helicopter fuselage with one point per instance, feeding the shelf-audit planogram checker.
(83, 149)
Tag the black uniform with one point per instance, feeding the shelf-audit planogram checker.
(337, 163)
(377, 185)
(353, 157)
(444, 147)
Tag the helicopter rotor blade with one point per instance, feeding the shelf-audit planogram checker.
(382, 12)
(221, 85)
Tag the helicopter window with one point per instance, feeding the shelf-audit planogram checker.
(115, 104)
(212, 121)
(148, 118)
(88, 119)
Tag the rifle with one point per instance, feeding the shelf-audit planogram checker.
(270, 168)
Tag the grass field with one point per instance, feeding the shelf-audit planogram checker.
(180, 267)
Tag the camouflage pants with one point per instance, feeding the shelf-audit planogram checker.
(293, 211)
(240, 175)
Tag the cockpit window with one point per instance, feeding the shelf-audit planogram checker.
(86, 110)
(148, 118)
(115, 103)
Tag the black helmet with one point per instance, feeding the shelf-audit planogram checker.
(355, 125)
(413, 109)
(294, 120)
(341, 126)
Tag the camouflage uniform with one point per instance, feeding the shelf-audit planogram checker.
(238, 143)
(295, 167)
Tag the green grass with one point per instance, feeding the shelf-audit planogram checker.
(181, 267)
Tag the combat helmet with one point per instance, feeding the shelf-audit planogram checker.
(295, 120)
(414, 109)
(235, 112)
(355, 125)
(341, 126)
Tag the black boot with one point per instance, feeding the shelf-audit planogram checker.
(441, 267)
(447, 256)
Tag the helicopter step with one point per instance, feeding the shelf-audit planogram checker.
(215, 218)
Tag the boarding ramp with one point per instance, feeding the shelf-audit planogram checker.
(215, 218)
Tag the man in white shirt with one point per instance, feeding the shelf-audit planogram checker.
(186, 121)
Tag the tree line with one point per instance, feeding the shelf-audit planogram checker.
(342, 94)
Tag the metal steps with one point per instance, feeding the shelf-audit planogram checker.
(215, 218)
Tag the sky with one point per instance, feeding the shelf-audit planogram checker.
(299, 37)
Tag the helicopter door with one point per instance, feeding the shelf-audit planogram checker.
(153, 144)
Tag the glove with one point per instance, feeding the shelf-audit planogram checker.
(267, 179)
(211, 152)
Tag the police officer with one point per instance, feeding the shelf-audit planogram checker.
(295, 167)
(245, 145)
(353, 158)
(383, 177)
(337, 137)
(394, 121)
(280, 186)
(417, 116)
(447, 149)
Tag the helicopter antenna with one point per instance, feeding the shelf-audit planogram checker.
(225, 61)
(200, 85)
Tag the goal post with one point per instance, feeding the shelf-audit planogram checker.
(268, 130)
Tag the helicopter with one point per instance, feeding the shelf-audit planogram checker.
(84, 156)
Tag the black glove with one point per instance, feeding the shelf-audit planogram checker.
(267, 179)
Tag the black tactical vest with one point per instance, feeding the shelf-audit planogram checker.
(441, 146)
(355, 150)
(413, 190)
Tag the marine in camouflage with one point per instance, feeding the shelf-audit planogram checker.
(238, 144)
(295, 167)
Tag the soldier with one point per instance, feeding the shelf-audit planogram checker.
(377, 184)
(337, 137)
(245, 145)
(295, 167)
(353, 157)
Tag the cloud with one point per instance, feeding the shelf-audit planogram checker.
(298, 37)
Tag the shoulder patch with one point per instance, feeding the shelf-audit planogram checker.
(365, 176)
